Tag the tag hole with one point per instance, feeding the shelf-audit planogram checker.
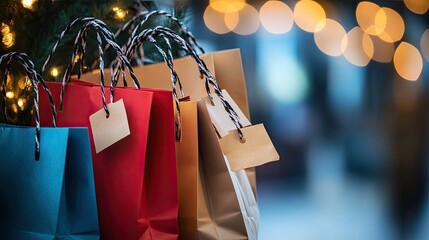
(242, 140)
(107, 116)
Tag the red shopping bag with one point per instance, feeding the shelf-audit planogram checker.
(135, 179)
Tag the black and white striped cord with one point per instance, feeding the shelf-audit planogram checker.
(168, 58)
(80, 44)
(28, 65)
(160, 31)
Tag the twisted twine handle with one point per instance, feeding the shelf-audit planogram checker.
(35, 78)
(168, 58)
(210, 79)
(79, 47)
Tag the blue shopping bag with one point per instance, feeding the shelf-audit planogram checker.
(50, 194)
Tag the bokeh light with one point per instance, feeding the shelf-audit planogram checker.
(15, 108)
(20, 102)
(358, 47)
(8, 36)
(408, 61)
(215, 21)
(329, 38)
(225, 6)
(55, 72)
(247, 21)
(120, 14)
(308, 14)
(231, 20)
(365, 15)
(276, 17)
(424, 45)
(383, 51)
(392, 23)
(10, 94)
(290, 88)
(417, 6)
(28, 3)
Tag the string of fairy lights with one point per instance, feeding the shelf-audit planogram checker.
(378, 36)
(8, 40)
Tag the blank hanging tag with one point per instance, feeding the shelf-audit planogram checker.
(107, 130)
(220, 117)
(257, 149)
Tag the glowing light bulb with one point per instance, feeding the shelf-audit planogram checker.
(55, 72)
(119, 13)
(20, 102)
(8, 38)
(15, 108)
(28, 3)
(10, 94)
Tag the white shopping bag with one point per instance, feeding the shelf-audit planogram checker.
(246, 200)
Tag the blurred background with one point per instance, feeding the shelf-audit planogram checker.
(342, 87)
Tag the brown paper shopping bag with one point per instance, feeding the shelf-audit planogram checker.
(187, 170)
(219, 214)
(208, 206)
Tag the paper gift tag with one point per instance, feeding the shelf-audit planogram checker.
(220, 117)
(255, 151)
(107, 131)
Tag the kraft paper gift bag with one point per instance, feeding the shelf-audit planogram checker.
(46, 182)
(220, 216)
(197, 217)
(136, 174)
(187, 170)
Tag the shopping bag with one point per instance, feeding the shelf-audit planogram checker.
(225, 65)
(246, 200)
(220, 217)
(219, 159)
(135, 178)
(52, 197)
(197, 221)
(207, 223)
(187, 170)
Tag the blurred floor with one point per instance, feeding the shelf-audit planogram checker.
(330, 204)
